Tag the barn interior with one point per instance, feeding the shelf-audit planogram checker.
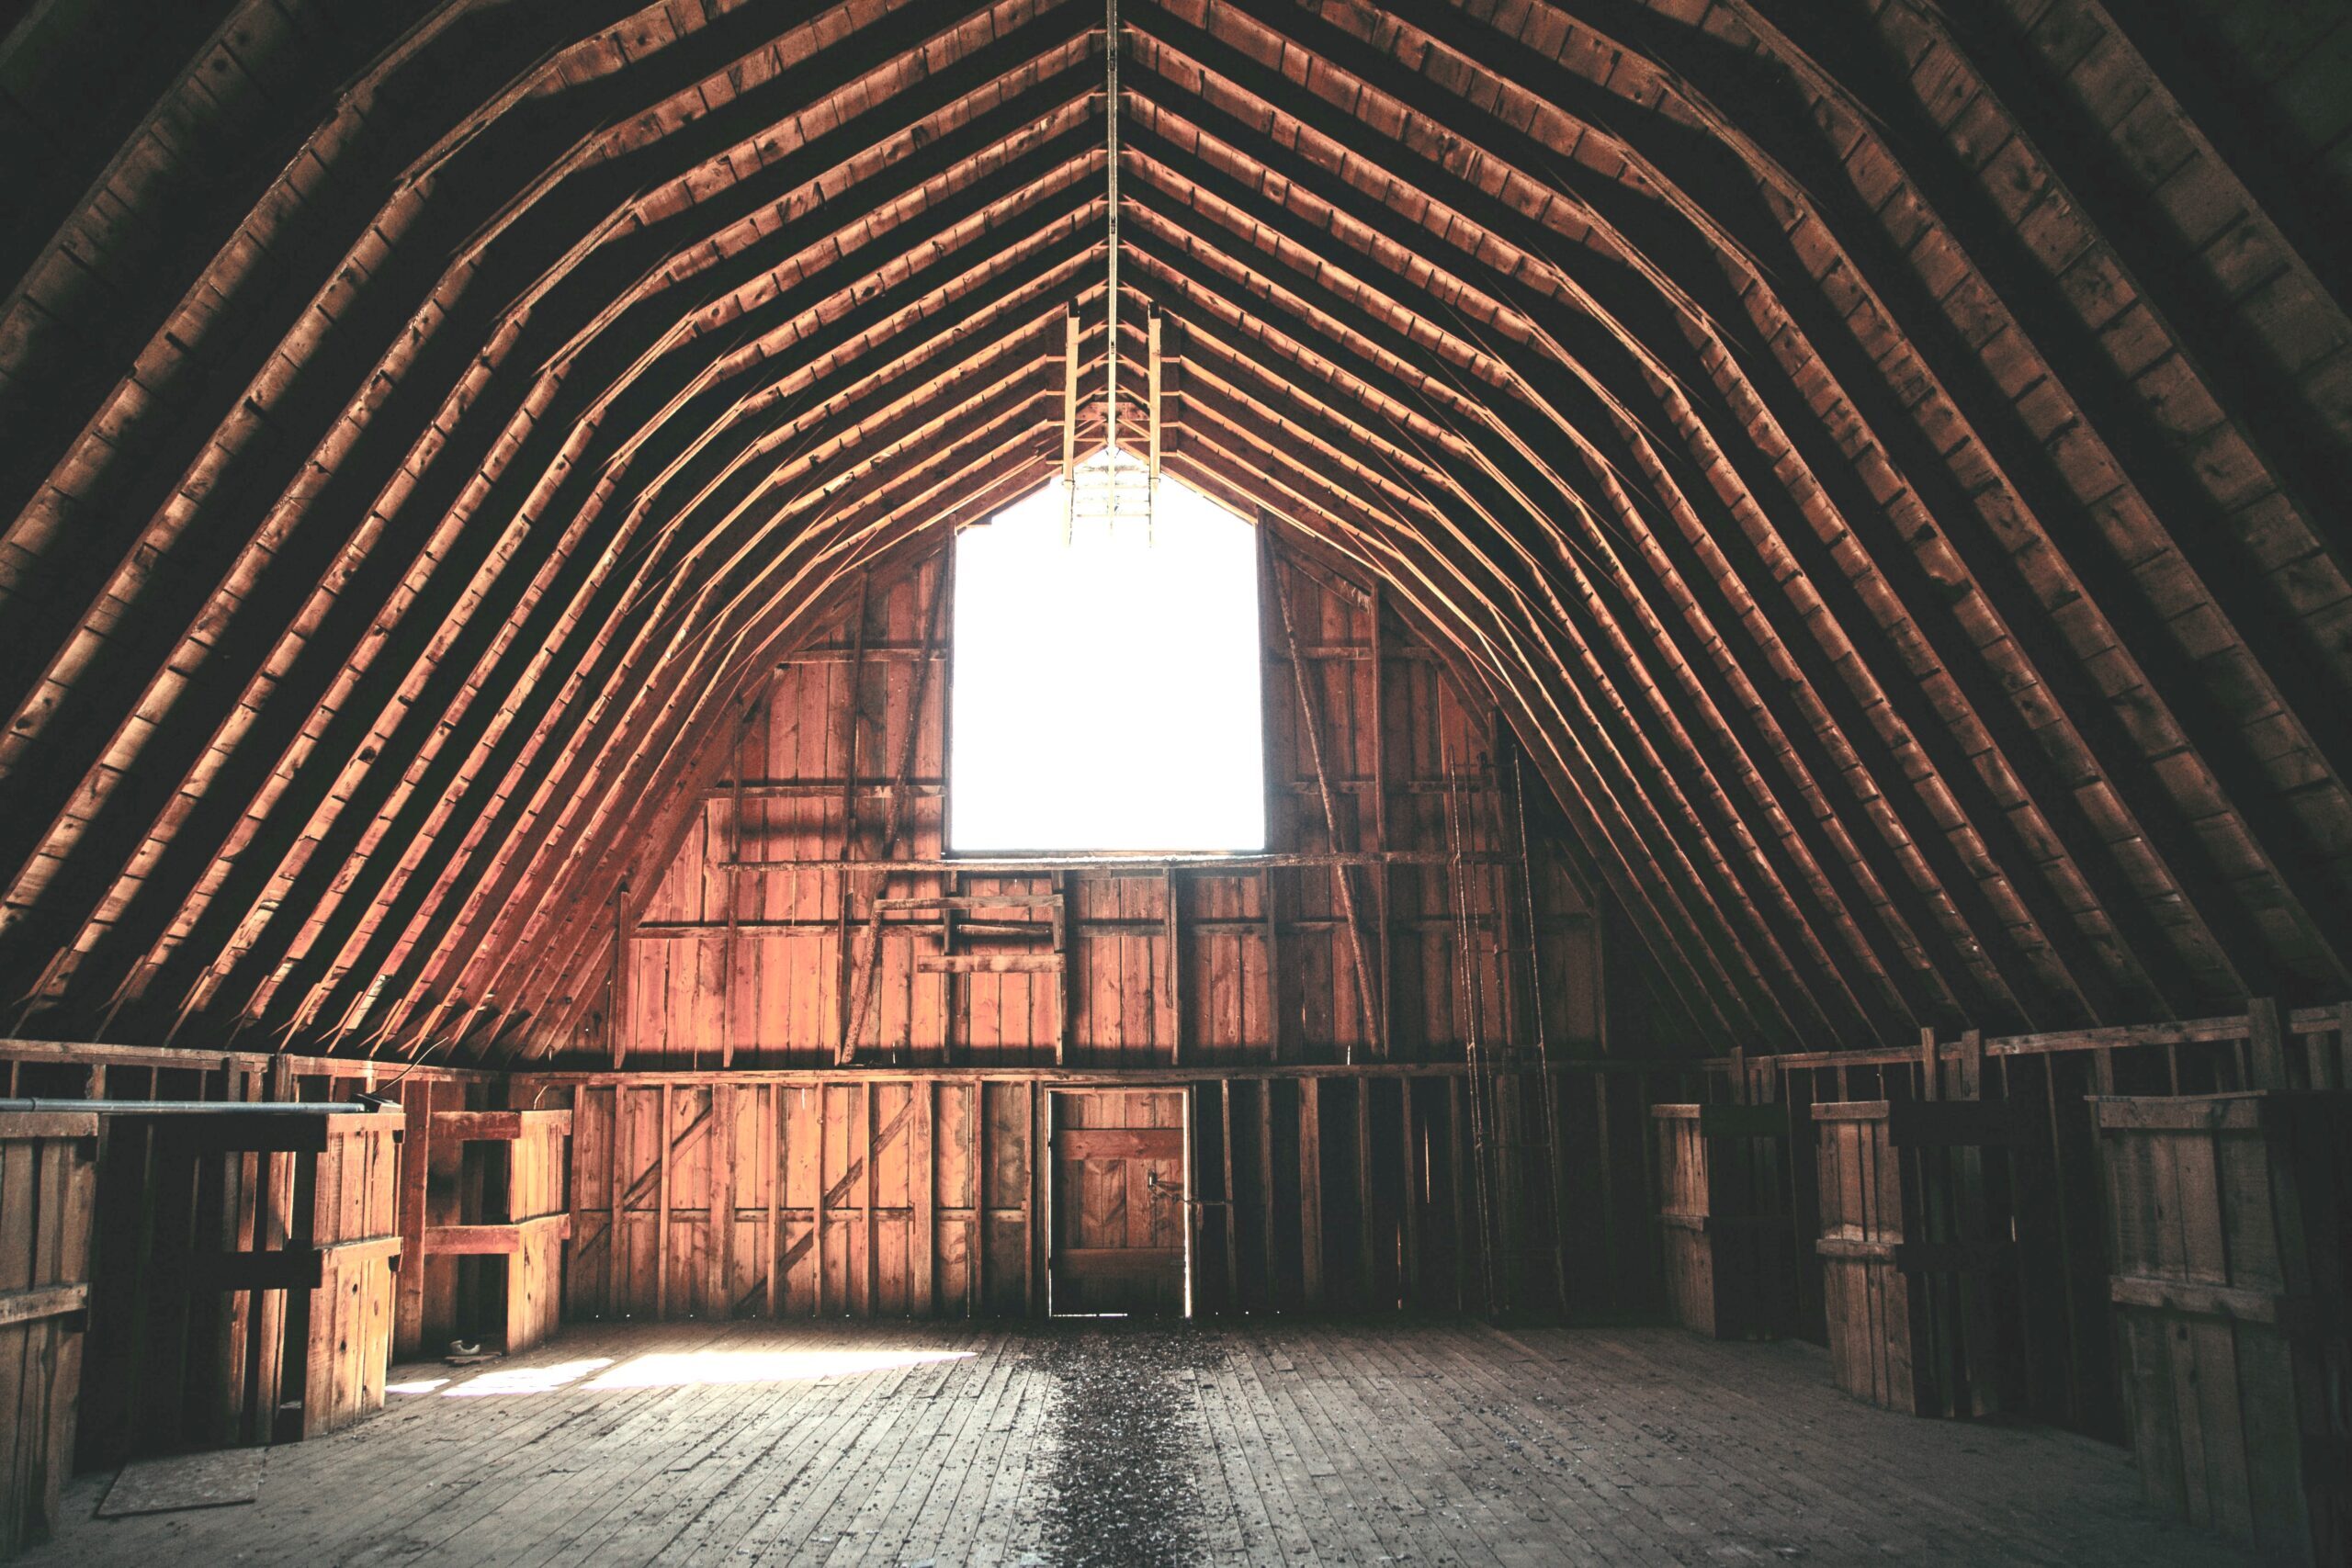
(1244, 781)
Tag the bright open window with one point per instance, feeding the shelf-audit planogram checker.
(1105, 676)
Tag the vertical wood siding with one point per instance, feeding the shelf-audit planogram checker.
(738, 956)
(756, 1195)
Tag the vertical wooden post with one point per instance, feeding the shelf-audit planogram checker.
(727, 880)
(719, 1250)
(1367, 1273)
(1604, 1173)
(1496, 883)
(951, 884)
(1496, 1264)
(617, 1301)
(773, 1163)
(1409, 1287)
(1645, 1133)
(417, 1149)
(1266, 895)
(1036, 1245)
(2265, 1045)
(2063, 1225)
(1554, 1150)
(817, 1207)
(1382, 879)
(1930, 1067)
(1277, 798)
(1988, 1375)
(567, 1256)
(1308, 721)
(1310, 1189)
(1188, 1103)
(1456, 1136)
(1266, 1188)
(1232, 1202)
(1066, 944)
(873, 1247)
(976, 1282)
(894, 817)
(923, 1175)
(618, 1030)
(849, 824)
(1175, 976)
(662, 1210)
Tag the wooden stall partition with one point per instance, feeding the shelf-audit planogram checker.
(241, 1287)
(521, 1218)
(535, 1204)
(1729, 1261)
(47, 1182)
(1907, 1263)
(338, 1335)
(2229, 1226)
(1878, 1319)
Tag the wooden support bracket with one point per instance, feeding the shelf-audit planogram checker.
(495, 1240)
(46, 1300)
(497, 1126)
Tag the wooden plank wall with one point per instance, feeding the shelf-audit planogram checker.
(880, 1194)
(47, 1194)
(347, 1204)
(737, 959)
(710, 1196)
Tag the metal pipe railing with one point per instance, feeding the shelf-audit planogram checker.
(197, 1107)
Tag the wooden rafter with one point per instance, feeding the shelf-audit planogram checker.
(1917, 620)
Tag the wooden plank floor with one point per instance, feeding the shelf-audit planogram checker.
(1429, 1443)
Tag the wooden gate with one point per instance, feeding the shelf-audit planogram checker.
(1728, 1252)
(48, 1175)
(2229, 1226)
(1910, 1264)
(1118, 1201)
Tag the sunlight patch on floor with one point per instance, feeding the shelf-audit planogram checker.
(689, 1368)
(527, 1379)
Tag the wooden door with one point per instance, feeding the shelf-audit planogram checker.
(1118, 1201)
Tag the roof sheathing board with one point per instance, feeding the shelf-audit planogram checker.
(1914, 625)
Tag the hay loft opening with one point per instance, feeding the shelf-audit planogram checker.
(1105, 689)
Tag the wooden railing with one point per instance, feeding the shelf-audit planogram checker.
(2063, 1319)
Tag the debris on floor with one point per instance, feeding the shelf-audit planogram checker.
(218, 1480)
(1121, 1488)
